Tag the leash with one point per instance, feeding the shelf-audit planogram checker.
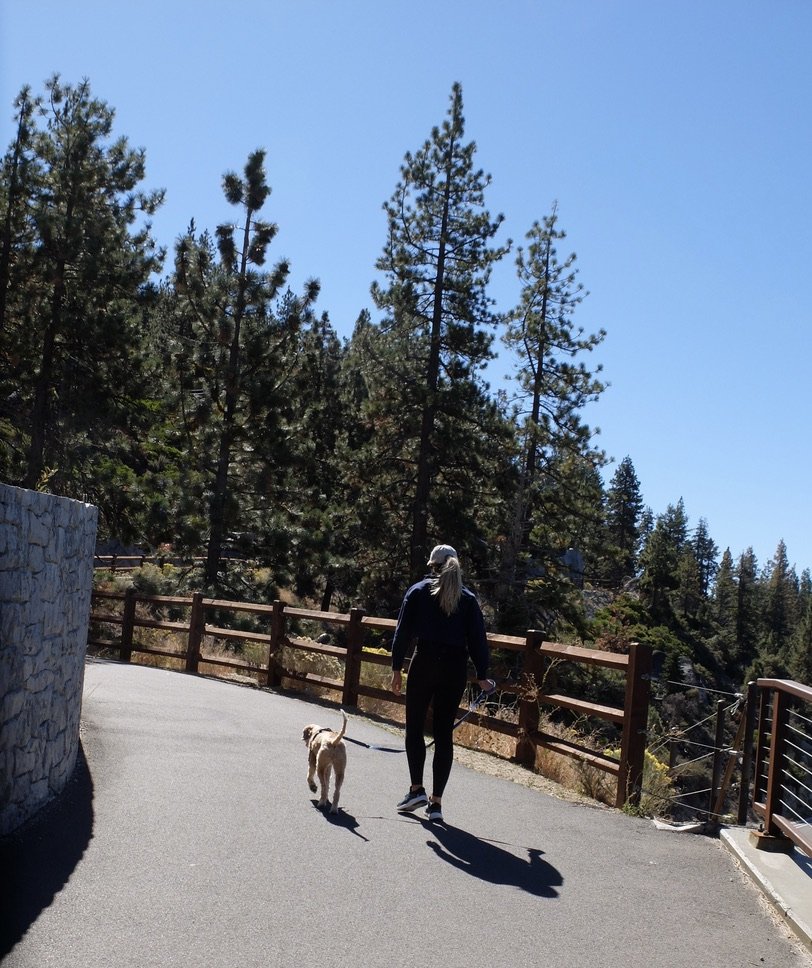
(472, 707)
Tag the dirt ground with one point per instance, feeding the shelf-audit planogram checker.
(499, 766)
(505, 770)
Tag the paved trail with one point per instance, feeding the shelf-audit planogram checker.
(189, 838)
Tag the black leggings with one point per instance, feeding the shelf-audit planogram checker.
(437, 678)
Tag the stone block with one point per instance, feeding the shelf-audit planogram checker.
(35, 613)
(55, 551)
(39, 792)
(12, 705)
(36, 559)
(10, 508)
(42, 682)
(39, 534)
(53, 622)
(25, 762)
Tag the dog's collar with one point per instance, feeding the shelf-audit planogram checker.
(324, 729)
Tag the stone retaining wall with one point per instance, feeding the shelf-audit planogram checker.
(46, 577)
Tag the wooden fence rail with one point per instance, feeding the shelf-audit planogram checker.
(537, 657)
(116, 563)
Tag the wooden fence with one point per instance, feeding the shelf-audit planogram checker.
(116, 563)
(119, 609)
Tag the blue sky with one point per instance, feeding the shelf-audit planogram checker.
(675, 137)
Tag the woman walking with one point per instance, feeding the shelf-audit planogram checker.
(445, 618)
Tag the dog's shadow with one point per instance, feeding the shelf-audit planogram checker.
(489, 861)
(340, 819)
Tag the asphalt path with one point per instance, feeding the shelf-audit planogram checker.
(188, 837)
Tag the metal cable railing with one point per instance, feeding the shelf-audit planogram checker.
(782, 788)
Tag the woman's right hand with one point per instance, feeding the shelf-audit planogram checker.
(396, 682)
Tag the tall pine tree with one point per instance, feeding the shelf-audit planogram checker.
(748, 608)
(231, 345)
(433, 438)
(660, 561)
(77, 257)
(553, 388)
(624, 508)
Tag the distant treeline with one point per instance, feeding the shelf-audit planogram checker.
(202, 404)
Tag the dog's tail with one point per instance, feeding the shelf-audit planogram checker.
(340, 735)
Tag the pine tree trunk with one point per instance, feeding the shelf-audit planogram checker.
(5, 252)
(217, 514)
(425, 461)
(40, 411)
(520, 530)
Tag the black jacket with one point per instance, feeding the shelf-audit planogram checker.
(422, 618)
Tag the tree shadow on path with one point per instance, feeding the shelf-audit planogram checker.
(38, 859)
(489, 861)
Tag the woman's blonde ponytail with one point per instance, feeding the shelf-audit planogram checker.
(448, 585)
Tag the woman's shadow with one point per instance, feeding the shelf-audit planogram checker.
(489, 861)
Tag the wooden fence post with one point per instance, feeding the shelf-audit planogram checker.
(127, 626)
(716, 770)
(673, 748)
(352, 664)
(532, 666)
(635, 724)
(732, 760)
(277, 638)
(197, 627)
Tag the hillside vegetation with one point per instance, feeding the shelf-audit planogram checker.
(211, 412)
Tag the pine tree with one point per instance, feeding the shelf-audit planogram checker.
(435, 337)
(18, 166)
(706, 552)
(79, 265)
(378, 455)
(566, 549)
(800, 655)
(688, 598)
(660, 560)
(780, 604)
(748, 608)
(624, 508)
(232, 345)
(315, 422)
(724, 617)
(553, 389)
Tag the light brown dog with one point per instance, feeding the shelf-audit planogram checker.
(326, 751)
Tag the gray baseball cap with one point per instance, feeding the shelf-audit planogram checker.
(439, 554)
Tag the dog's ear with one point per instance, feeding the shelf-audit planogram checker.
(306, 732)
